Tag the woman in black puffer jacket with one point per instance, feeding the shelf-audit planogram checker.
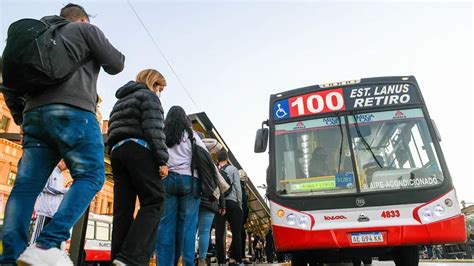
(138, 155)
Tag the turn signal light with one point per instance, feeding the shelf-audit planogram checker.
(280, 213)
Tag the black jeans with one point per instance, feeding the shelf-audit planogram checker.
(136, 173)
(233, 215)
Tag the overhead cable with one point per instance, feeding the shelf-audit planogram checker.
(162, 53)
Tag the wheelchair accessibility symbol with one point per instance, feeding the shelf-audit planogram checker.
(281, 110)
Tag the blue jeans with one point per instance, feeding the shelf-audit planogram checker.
(51, 133)
(177, 229)
(205, 222)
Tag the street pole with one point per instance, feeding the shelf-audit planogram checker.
(76, 248)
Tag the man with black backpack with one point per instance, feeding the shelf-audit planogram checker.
(233, 214)
(58, 121)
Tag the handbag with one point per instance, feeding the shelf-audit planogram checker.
(221, 183)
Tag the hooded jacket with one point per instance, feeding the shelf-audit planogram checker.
(80, 90)
(138, 114)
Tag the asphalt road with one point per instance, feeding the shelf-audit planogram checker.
(385, 263)
(390, 263)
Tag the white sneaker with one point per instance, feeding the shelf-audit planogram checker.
(117, 262)
(34, 256)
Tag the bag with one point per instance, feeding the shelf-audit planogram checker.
(202, 162)
(37, 56)
(221, 183)
(227, 180)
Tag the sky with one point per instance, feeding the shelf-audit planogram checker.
(231, 55)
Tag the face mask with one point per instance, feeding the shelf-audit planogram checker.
(158, 93)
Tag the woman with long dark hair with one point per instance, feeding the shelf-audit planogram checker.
(177, 232)
(138, 158)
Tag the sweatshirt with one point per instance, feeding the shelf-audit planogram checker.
(80, 90)
(236, 193)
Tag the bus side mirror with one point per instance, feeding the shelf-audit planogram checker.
(438, 135)
(261, 140)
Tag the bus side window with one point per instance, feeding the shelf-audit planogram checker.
(102, 231)
(90, 230)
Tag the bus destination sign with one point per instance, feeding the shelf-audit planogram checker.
(345, 99)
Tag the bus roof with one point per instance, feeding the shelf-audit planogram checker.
(356, 82)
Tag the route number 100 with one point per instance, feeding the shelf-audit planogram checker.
(317, 102)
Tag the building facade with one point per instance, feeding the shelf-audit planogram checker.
(10, 154)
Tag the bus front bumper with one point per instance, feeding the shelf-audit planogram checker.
(451, 230)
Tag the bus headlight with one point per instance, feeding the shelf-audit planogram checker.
(291, 219)
(438, 210)
(303, 222)
(427, 214)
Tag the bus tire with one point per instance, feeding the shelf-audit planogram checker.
(356, 262)
(314, 261)
(298, 259)
(407, 256)
(367, 261)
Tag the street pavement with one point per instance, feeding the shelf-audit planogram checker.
(460, 263)
(390, 263)
(378, 263)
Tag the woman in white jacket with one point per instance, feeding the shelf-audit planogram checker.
(49, 200)
(177, 230)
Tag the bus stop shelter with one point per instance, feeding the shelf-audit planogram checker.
(258, 222)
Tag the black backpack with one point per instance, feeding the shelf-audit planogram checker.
(37, 56)
(227, 180)
(202, 162)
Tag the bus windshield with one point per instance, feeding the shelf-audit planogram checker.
(312, 158)
(394, 150)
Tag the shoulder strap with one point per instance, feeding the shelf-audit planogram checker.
(56, 22)
(82, 62)
(193, 159)
(230, 177)
(193, 156)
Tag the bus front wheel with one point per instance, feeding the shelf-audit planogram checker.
(367, 261)
(407, 256)
(298, 259)
(356, 262)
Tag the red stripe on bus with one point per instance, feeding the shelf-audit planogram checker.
(451, 230)
(97, 255)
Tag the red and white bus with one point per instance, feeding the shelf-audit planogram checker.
(97, 245)
(356, 171)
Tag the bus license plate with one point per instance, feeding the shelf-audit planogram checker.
(374, 237)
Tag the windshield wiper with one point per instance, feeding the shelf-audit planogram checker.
(367, 146)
